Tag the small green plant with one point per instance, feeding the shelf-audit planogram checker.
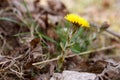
(79, 24)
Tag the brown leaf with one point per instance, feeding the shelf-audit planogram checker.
(34, 42)
(57, 6)
(106, 3)
(3, 4)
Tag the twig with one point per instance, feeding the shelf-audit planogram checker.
(19, 74)
(82, 53)
(108, 31)
(113, 33)
(4, 43)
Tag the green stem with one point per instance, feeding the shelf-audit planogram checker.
(71, 33)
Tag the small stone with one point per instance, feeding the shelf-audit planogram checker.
(74, 75)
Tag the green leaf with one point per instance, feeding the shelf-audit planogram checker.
(76, 48)
(8, 19)
(20, 34)
(48, 38)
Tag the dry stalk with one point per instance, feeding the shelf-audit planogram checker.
(11, 66)
(4, 43)
(116, 36)
(19, 74)
(82, 53)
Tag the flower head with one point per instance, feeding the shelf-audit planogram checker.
(75, 19)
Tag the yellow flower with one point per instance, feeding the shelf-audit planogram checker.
(75, 19)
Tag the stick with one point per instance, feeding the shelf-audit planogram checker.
(113, 33)
(107, 30)
(82, 53)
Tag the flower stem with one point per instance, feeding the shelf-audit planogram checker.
(71, 32)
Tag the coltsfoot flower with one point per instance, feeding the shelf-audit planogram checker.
(77, 20)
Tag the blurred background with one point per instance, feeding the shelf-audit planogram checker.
(97, 11)
(94, 10)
